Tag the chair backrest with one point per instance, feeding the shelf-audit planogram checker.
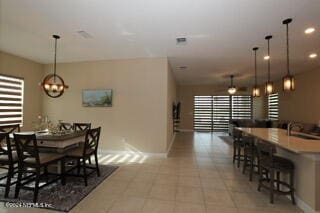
(5, 145)
(92, 140)
(237, 134)
(26, 145)
(66, 126)
(266, 151)
(10, 128)
(81, 126)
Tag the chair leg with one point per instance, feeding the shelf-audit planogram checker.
(18, 184)
(271, 185)
(85, 172)
(8, 183)
(63, 171)
(234, 151)
(239, 155)
(36, 188)
(89, 160)
(251, 166)
(292, 188)
(97, 165)
(78, 166)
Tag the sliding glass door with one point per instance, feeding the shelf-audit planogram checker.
(213, 113)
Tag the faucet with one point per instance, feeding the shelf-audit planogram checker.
(291, 125)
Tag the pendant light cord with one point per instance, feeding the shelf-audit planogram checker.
(255, 67)
(288, 70)
(269, 60)
(55, 59)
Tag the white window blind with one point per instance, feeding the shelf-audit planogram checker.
(241, 107)
(11, 100)
(273, 106)
(213, 113)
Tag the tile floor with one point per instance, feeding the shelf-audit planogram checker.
(198, 176)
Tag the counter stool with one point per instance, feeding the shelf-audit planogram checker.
(275, 165)
(238, 146)
(250, 156)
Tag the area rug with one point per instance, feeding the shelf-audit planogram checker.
(58, 197)
(227, 139)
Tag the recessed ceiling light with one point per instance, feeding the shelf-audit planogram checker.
(266, 57)
(181, 40)
(309, 30)
(313, 55)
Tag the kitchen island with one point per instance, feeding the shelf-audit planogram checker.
(305, 153)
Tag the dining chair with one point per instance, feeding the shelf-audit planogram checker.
(81, 126)
(275, 166)
(65, 126)
(33, 165)
(8, 161)
(83, 153)
(10, 128)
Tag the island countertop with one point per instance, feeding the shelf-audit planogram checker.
(280, 138)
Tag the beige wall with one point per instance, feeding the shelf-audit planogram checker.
(185, 96)
(138, 118)
(32, 74)
(301, 105)
(171, 98)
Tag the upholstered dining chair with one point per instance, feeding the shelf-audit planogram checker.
(33, 165)
(83, 153)
(81, 126)
(8, 161)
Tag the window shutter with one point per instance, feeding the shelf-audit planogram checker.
(273, 106)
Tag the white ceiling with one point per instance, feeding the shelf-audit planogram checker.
(220, 33)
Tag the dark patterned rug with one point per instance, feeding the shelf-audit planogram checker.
(56, 196)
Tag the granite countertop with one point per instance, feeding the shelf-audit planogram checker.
(280, 138)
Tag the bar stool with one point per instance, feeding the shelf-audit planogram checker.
(275, 165)
(238, 147)
(250, 156)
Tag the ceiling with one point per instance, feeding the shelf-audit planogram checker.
(220, 34)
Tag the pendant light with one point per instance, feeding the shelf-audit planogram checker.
(269, 87)
(288, 80)
(232, 89)
(255, 89)
(53, 85)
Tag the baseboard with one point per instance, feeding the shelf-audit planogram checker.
(302, 205)
(119, 152)
(185, 130)
(171, 143)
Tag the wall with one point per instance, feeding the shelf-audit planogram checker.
(185, 96)
(171, 98)
(137, 120)
(32, 74)
(301, 105)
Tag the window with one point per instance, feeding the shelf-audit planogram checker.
(11, 100)
(273, 106)
(212, 113)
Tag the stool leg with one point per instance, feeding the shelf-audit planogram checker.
(260, 178)
(245, 159)
(239, 155)
(234, 151)
(251, 166)
(278, 179)
(271, 185)
(292, 187)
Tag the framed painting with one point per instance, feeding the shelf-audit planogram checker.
(97, 98)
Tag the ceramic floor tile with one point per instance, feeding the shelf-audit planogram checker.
(158, 206)
(127, 204)
(189, 208)
(189, 194)
(163, 192)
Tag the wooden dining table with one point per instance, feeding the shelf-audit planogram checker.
(59, 142)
